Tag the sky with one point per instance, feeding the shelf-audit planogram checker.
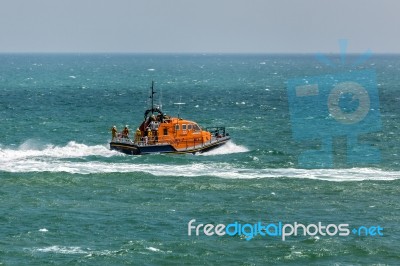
(202, 26)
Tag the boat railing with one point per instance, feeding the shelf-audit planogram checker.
(144, 141)
(125, 140)
(217, 132)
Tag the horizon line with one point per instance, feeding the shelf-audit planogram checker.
(183, 53)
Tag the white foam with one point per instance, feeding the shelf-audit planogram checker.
(222, 170)
(227, 148)
(31, 157)
(153, 249)
(62, 250)
(32, 149)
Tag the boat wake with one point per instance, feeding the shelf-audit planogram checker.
(78, 158)
(31, 149)
(227, 148)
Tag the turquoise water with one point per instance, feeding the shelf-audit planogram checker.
(67, 199)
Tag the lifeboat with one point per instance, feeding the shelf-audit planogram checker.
(160, 133)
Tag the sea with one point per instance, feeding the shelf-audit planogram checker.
(67, 199)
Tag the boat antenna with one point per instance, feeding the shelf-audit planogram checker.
(152, 97)
(160, 99)
(180, 103)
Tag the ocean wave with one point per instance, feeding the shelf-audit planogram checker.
(74, 250)
(88, 252)
(221, 170)
(62, 250)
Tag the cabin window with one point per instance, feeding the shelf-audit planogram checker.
(196, 127)
(165, 131)
(176, 127)
(184, 127)
(190, 127)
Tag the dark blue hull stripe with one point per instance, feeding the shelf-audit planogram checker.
(133, 149)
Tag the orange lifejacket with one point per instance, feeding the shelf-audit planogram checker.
(138, 135)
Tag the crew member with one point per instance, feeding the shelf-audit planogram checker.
(154, 125)
(138, 135)
(149, 135)
(125, 132)
(114, 132)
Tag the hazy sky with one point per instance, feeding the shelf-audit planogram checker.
(219, 26)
